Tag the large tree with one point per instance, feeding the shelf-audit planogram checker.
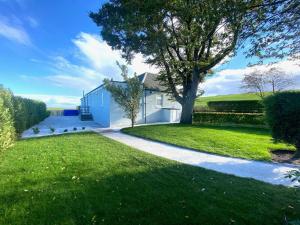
(185, 38)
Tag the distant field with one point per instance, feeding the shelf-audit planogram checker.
(202, 101)
(54, 108)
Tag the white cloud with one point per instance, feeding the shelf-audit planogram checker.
(54, 100)
(229, 81)
(14, 33)
(101, 56)
(96, 61)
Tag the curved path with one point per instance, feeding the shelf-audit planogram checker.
(273, 173)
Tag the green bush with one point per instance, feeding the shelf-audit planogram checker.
(283, 117)
(244, 106)
(229, 118)
(16, 115)
(7, 130)
(28, 112)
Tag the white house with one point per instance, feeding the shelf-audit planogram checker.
(156, 105)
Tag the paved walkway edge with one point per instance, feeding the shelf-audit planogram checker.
(272, 173)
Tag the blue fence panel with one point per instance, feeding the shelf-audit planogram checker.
(71, 112)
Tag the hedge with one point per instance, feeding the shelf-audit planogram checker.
(27, 113)
(229, 118)
(7, 130)
(283, 117)
(243, 106)
(16, 115)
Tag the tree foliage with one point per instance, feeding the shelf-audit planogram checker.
(186, 39)
(16, 115)
(283, 117)
(127, 94)
(7, 130)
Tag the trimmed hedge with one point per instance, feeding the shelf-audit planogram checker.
(16, 115)
(7, 130)
(229, 118)
(28, 112)
(283, 117)
(244, 106)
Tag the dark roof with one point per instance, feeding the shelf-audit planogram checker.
(149, 80)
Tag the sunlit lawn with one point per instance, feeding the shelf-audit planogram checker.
(250, 143)
(89, 179)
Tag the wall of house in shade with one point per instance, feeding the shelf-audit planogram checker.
(155, 107)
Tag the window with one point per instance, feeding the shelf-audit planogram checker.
(159, 100)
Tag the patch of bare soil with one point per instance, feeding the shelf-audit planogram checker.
(284, 156)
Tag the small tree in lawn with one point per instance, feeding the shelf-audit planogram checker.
(128, 94)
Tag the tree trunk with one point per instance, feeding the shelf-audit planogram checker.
(187, 111)
(189, 100)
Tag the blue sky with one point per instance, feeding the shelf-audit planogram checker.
(52, 51)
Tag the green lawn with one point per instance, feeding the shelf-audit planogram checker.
(88, 179)
(202, 101)
(249, 143)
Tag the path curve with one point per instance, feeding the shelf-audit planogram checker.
(273, 173)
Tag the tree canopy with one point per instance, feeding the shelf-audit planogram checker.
(185, 39)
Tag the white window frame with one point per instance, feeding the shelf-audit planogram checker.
(159, 100)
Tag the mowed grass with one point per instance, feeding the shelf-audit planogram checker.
(202, 101)
(89, 179)
(249, 143)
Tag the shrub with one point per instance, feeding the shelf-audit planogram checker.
(229, 118)
(27, 113)
(16, 115)
(52, 129)
(283, 117)
(74, 128)
(244, 106)
(7, 130)
(65, 130)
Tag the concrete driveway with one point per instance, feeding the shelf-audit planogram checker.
(60, 124)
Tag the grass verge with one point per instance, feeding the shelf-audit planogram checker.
(242, 142)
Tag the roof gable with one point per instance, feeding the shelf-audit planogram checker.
(149, 80)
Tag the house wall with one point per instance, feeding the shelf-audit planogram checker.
(98, 102)
(118, 117)
(157, 113)
(108, 113)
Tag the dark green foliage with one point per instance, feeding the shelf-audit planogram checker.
(7, 130)
(246, 106)
(65, 130)
(283, 117)
(28, 112)
(229, 118)
(16, 115)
